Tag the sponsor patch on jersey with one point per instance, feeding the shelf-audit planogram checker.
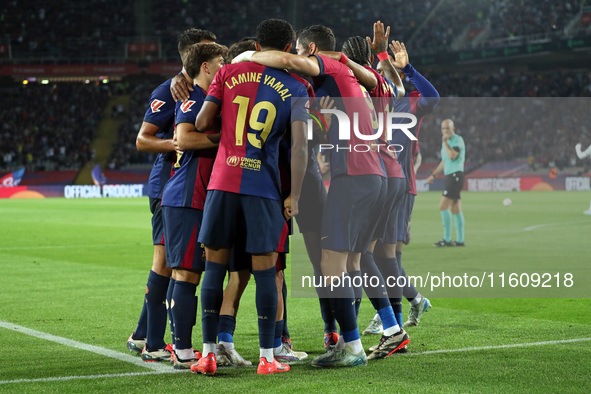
(186, 106)
(156, 104)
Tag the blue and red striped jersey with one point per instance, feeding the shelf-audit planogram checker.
(257, 104)
(337, 80)
(188, 186)
(383, 97)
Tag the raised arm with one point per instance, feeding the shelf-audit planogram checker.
(430, 95)
(379, 46)
(452, 153)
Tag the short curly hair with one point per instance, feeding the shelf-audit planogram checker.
(199, 53)
(275, 33)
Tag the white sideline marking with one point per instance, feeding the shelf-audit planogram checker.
(471, 349)
(549, 224)
(84, 346)
(8, 248)
(111, 375)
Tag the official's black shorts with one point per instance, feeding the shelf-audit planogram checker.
(454, 183)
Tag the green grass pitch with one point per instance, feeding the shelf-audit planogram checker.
(76, 270)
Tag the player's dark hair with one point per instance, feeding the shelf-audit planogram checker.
(322, 36)
(199, 53)
(193, 36)
(238, 47)
(357, 49)
(275, 33)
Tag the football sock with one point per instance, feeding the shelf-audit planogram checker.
(169, 307)
(266, 302)
(141, 330)
(408, 291)
(388, 320)
(184, 313)
(227, 326)
(330, 323)
(185, 354)
(446, 219)
(416, 300)
(208, 347)
(357, 290)
(212, 294)
(277, 341)
(389, 269)
(285, 330)
(156, 310)
(459, 222)
(267, 353)
(397, 308)
(343, 307)
(354, 346)
(375, 286)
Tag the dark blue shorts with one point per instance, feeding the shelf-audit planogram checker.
(157, 225)
(404, 217)
(311, 204)
(264, 225)
(181, 229)
(351, 212)
(396, 191)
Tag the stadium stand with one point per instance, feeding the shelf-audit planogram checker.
(49, 127)
(79, 32)
(92, 33)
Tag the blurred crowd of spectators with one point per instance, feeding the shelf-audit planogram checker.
(49, 127)
(534, 116)
(51, 29)
(125, 153)
(96, 29)
(524, 17)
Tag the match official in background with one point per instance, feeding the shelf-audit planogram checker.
(453, 156)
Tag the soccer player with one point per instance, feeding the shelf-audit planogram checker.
(257, 104)
(184, 195)
(389, 249)
(394, 338)
(453, 156)
(581, 155)
(155, 135)
(356, 180)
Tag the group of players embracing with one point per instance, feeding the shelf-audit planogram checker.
(238, 159)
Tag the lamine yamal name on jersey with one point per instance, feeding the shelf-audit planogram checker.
(256, 77)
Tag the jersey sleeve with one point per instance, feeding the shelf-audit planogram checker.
(186, 112)
(321, 65)
(161, 107)
(300, 105)
(216, 89)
